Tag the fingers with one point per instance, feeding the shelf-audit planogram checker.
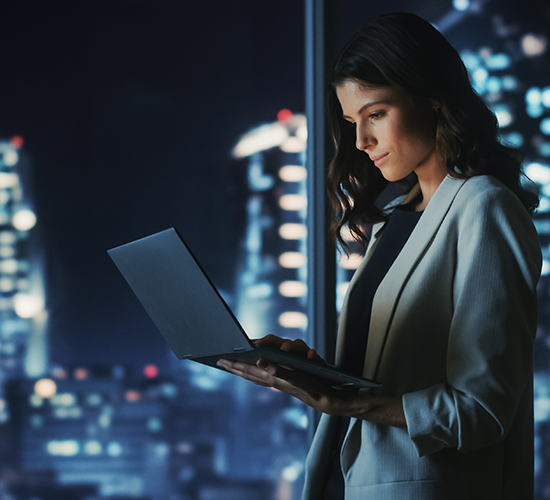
(260, 374)
(271, 341)
(297, 347)
(313, 356)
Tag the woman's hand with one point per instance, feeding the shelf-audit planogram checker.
(306, 388)
(314, 392)
(296, 347)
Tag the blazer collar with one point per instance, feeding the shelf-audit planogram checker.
(391, 286)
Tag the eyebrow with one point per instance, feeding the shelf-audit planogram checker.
(365, 106)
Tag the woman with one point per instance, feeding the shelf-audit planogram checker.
(442, 310)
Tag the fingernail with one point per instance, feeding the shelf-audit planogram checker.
(222, 362)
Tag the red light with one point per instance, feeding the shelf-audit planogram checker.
(150, 371)
(17, 141)
(284, 115)
(132, 395)
(81, 373)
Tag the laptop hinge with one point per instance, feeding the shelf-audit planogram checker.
(239, 349)
(185, 356)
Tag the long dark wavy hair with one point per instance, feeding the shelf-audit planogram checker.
(402, 50)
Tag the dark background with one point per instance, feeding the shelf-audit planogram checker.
(129, 111)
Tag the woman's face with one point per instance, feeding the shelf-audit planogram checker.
(397, 133)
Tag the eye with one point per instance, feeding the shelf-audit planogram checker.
(376, 114)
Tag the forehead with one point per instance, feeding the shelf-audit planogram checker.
(353, 96)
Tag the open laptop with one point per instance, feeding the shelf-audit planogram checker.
(191, 314)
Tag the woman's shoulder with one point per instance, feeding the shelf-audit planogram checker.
(485, 191)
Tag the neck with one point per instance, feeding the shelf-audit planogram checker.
(430, 176)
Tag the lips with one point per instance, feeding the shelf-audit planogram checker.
(379, 160)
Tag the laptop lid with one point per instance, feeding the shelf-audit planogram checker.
(179, 297)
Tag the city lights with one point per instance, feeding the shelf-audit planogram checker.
(293, 319)
(292, 472)
(132, 395)
(65, 399)
(538, 172)
(498, 61)
(292, 202)
(81, 373)
(23, 220)
(504, 115)
(45, 388)
(293, 231)
(64, 448)
(292, 260)
(17, 141)
(93, 448)
(461, 4)
(7, 238)
(533, 45)
(284, 115)
(292, 173)
(8, 155)
(293, 145)
(151, 371)
(27, 306)
(114, 449)
(260, 139)
(8, 180)
(293, 289)
(350, 261)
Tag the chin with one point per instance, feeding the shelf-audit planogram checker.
(393, 176)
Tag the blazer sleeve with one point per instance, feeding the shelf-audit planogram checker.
(490, 341)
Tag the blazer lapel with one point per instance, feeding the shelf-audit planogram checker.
(391, 286)
(377, 229)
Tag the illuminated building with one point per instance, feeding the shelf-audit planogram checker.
(22, 311)
(272, 289)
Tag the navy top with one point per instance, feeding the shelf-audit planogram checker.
(396, 233)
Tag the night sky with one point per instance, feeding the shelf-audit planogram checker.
(129, 110)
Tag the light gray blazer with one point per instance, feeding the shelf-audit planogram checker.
(452, 330)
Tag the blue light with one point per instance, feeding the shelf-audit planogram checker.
(515, 139)
(471, 61)
(544, 149)
(544, 205)
(504, 115)
(461, 4)
(545, 126)
(493, 84)
(296, 417)
(545, 97)
(479, 78)
(509, 82)
(114, 449)
(538, 172)
(533, 96)
(534, 111)
(154, 424)
(498, 61)
(260, 291)
(257, 179)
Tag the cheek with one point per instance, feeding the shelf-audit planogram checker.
(415, 136)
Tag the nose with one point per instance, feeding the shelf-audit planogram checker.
(364, 140)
